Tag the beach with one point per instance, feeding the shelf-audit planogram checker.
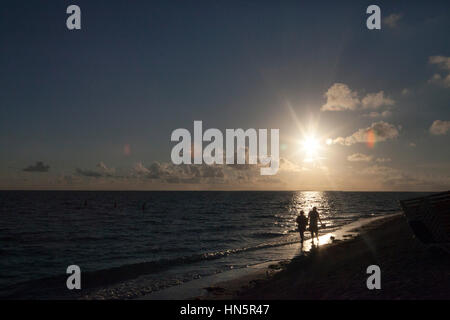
(409, 270)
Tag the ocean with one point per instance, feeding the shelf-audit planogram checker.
(170, 237)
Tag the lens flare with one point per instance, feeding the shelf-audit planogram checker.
(371, 138)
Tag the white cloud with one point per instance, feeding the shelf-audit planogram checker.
(376, 100)
(376, 114)
(359, 157)
(392, 19)
(382, 130)
(440, 127)
(340, 97)
(382, 160)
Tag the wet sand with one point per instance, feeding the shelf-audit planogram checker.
(409, 270)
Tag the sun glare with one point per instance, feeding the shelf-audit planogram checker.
(310, 146)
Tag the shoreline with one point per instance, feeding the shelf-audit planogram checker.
(228, 284)
(138, 282)
(337, 271)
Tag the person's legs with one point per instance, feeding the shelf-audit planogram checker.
(315, 231)
(302, 235)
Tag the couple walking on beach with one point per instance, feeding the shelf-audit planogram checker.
(302, 223)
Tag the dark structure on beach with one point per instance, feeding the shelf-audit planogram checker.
(429, 218)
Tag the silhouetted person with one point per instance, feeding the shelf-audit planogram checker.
(302, 222)
(143, 207)
(313, 218)
(85, 203)
(115, 205)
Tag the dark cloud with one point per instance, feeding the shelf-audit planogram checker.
(38, 167)
(166, 172)
(101, 171)
(88, 173)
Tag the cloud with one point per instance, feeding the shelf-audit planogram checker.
(440, 81)
(381, 171)
(396, 179)
(39, 166)
(359, 157)
(140, 169)
(104, 169)
(88, 173)
(376, 100)
(392, 20)
(440, 127)
(376, 114)
(289, 166)
(195, 175)
(443, 63)
(383, 160)
(161, 172)
(340, 97)
(382, 131)
(406, 92)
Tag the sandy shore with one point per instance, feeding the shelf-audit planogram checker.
(409, 270)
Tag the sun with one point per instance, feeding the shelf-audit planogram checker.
(310, 147)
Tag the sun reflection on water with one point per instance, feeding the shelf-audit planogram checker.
(306, 200)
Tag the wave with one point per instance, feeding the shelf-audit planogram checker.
(267, 235)
(105, 277)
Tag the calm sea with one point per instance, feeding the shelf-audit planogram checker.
(41, 233)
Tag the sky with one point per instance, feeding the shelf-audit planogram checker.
(94, 109)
